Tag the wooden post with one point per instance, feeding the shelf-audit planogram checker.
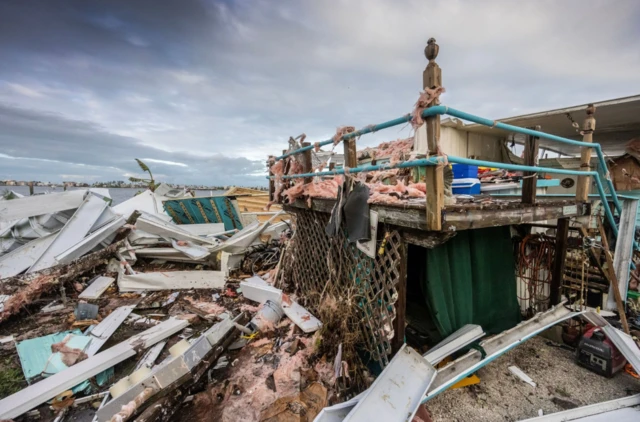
(557, 276)
(432, 78)
(401, 304)
(30, 188)
(584, 182)
(272, 184)
(530, 159)
(350, 153)
(307, 165)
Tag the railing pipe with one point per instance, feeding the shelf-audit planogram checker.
(432, 111)
(459, 160)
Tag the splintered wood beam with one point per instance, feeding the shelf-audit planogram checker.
(562, 233)
(612, 278)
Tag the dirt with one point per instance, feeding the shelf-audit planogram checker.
(500, 396)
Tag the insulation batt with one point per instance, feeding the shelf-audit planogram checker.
(324, 189)
(385, 150)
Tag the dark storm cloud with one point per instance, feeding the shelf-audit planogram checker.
(183, 80)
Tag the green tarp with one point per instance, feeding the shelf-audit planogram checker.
(471, 280)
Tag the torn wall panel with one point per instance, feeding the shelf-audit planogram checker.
(171, 280)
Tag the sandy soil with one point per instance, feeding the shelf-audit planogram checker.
(501, 396)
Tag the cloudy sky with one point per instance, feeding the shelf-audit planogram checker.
(204, 90)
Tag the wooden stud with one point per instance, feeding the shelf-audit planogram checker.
(562, 232)
(401, 304)
(531, 147)
(272, 183)
(307, 165)
(612, 278)
(350, 153)
(435, 197)
(584, 182)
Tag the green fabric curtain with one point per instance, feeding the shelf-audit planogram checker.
(471, 280)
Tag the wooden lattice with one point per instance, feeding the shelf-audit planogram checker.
(317, 264)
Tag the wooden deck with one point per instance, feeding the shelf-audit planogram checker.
(485, 212)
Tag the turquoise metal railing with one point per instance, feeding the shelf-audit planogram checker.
(444, 110)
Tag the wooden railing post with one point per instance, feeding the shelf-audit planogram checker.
(529, 184)
(272, 183)
(432, 78)
(307, 165)
(350, 153)
(584, 182)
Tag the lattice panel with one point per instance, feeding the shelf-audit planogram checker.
(317, 263)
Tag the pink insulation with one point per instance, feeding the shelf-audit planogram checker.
(398, 148)
(426, 97)
(323, 189)
(340, 132)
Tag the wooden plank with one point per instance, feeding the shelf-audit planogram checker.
(399, 322)
(557, 275)
(458, 218)
(171, 280)
(529, 178)
(426, 239)
(96, 287)
(435, 197)
(613, 278)
(584, 182)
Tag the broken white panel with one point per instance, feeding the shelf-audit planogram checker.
(626, 409)
(39, 392)
(276, 230)
(72, 233)
(150, 356)
(623, 251)
(30, 206)
(24, 257)
(142, 202)
(107, 216)
(369, 247)
(140, 237)
(154, 225)
(230, 262)
(207, 229)
(170, 370)
(240, 241)
(524, 377)
(625, 344)
(171, 280)
(96, 287)
(301, 317)
(91, 241)
(497, 346)
(396, 394)
(261, 292)
(191, 250)
(456, 341)
(101, 332)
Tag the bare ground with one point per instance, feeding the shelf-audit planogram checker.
(501, 396)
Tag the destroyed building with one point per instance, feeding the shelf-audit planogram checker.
(367, 284)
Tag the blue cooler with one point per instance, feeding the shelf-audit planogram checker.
(467, 186)
(464, 171)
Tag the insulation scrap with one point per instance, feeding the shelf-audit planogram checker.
(399, 147)
(303, 407)
(130, 408)
(69, 355)
(395, 194)
(426, 97)
(340, 132)
(323, 189)
(208, 307)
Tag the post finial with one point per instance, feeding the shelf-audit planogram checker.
(431, 50)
